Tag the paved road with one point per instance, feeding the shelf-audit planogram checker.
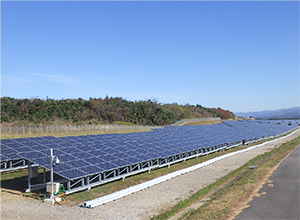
(281, 200)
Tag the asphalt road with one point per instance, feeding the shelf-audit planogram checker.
(281, 198)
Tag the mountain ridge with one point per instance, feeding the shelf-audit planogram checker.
(283, 113)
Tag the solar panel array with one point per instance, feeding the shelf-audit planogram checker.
(81, 156)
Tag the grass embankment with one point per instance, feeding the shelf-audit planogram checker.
(227, 203)
(71, 134)
(80, 133)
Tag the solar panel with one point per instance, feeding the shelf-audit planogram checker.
(107, 165)
(72, 174)
(63, 166)
(95, 160)
(91, 169)
(3, 157)
(86, 155)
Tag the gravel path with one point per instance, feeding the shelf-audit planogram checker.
(141, 205)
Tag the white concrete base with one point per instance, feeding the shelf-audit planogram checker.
(49, 201)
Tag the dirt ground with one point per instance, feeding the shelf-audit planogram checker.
(140, 205)
(204, 122)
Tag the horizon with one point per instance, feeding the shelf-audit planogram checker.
(239, 56)
(270, 110)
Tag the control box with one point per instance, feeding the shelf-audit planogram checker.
(55, 187)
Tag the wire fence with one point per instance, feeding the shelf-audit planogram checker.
(64, 129)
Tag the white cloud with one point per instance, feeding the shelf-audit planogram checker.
(31, 80)
(52, 78)
(287, 39)
(17, 81)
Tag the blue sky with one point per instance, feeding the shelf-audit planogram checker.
(240, 56)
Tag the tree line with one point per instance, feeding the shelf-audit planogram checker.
(106, 110)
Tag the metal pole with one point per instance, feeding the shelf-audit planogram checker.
(44, 175)
(29, 177)
(51, 173)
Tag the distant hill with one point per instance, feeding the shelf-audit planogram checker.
(285, 113)
(98, 110)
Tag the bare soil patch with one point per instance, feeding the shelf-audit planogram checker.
(205, 122)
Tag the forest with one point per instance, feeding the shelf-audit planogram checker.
(102, 111)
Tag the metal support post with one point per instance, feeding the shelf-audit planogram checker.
(51, 172)
(28, 178)
(44, 175)
(68, 185)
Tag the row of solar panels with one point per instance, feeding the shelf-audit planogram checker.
(85, 155)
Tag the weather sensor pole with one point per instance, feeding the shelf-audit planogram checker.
(51, 172)
(53, 160)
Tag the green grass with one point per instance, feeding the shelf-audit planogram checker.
(15, 180)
